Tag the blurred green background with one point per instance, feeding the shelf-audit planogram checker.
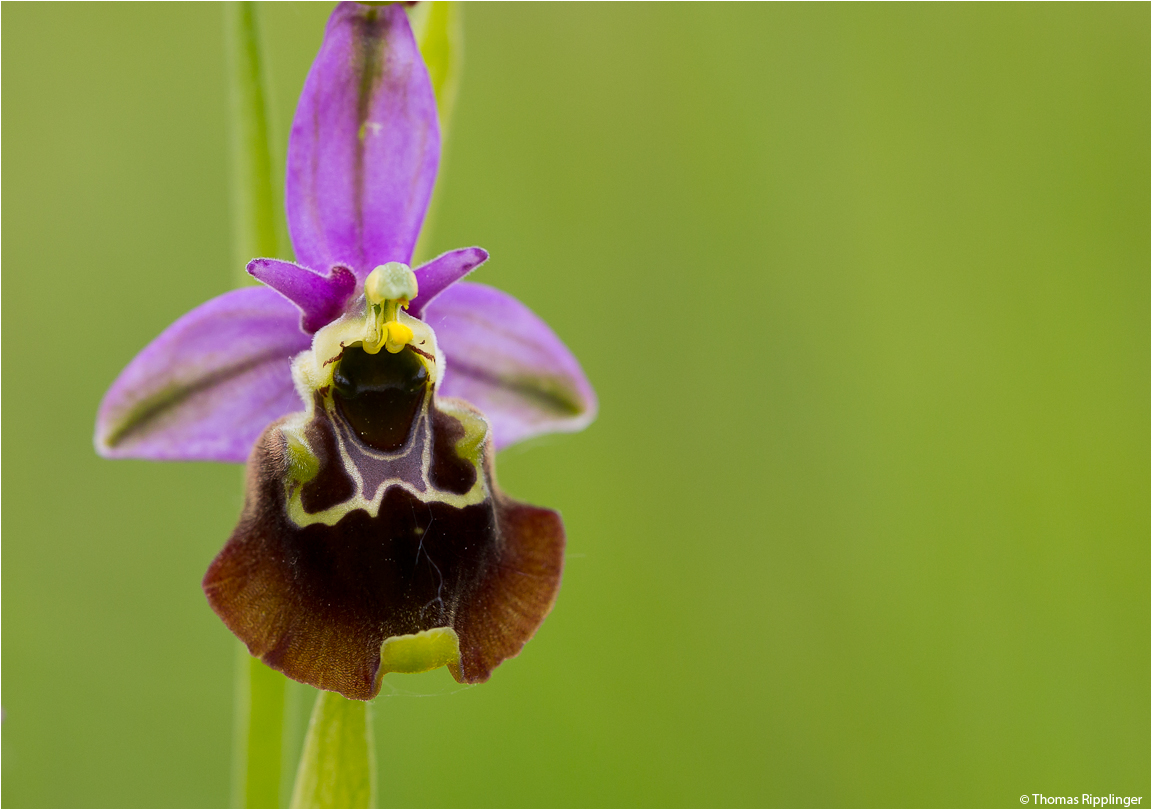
(864, 291)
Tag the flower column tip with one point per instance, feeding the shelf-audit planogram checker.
(388, 288)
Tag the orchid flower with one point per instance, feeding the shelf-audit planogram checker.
(368, 399)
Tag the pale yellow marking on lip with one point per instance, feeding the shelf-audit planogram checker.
(469, 448)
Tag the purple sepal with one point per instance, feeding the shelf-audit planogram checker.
(206, 388)
(321, 299)
(445, 270)
(505, 360)
(365, 144)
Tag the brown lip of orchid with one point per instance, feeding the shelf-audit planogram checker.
(373, 537)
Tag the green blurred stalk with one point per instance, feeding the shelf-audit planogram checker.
(258, 732)
(338, 766)
(253, 189)
(259, 724)
(439, 30)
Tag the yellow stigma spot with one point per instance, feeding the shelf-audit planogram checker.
(398, 336)
(387, 288)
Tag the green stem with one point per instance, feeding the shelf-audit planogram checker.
(253, 187)
(259, 721)
(259, 727)
(439, 30)
(337, 768)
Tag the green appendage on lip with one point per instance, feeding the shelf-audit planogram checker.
(421, 652)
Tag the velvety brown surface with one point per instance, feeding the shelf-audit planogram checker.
(516, 593)
(449, 472)
(332, 484)
(316, 603)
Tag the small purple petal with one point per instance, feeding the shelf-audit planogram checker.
(445, 270)
(321, 299)
(365, 144)
(506, 361)
(207, 387)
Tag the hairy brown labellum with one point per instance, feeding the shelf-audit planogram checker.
(373, 517)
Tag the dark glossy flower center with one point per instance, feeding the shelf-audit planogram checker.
(379, 395)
